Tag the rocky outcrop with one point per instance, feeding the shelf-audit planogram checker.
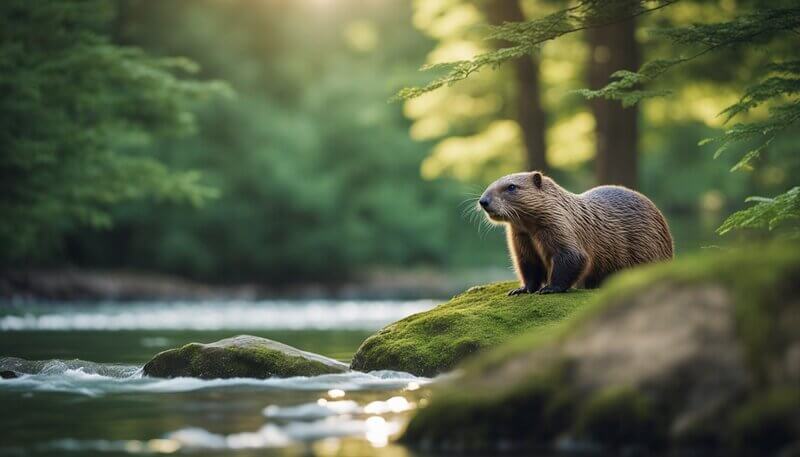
(435, 341)
(242, 356)
(699, 353)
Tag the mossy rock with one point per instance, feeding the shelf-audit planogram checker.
(242, 356)
(700, 352)
(435, 341)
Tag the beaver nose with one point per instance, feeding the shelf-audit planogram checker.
(484, 202)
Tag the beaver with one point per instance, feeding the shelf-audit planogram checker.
(558, 239)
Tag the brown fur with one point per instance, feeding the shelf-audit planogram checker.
(558, 239)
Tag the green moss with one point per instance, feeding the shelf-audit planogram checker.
(497, 389)
(255, 358)
(759, 283)
(767, 422)
(437, 340)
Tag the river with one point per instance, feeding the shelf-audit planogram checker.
(82, 392)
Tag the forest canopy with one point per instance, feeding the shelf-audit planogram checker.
(239, 140)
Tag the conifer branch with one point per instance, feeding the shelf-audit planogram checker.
(625, 85)
(767, 213)
(529, 35)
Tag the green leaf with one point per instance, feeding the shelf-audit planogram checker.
(767, 213)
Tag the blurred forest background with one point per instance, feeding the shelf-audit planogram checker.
(241, 140)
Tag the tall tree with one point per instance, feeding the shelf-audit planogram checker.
(613, 48)
(762, 27)
(530, 115)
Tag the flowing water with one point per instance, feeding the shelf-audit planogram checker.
(81, 391)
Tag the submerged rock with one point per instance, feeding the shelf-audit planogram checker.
(242, 356)
(8, 374)
(700, 352)
(435, 341)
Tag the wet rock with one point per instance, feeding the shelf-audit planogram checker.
(435, 341)
(698, 353)
(242, 356)
(8, 374)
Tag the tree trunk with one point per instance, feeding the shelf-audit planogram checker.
(613, 48)
(530, 115)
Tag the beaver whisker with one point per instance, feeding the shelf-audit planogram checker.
(474, 213)
(467, 205)
(485, 227)
(469, 200)
(468, 212)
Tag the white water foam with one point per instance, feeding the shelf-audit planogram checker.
(334, 415)
(95, 379)
(217, 315)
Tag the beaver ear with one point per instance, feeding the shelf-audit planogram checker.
(537, 179)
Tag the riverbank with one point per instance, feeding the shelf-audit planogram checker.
(100, 285)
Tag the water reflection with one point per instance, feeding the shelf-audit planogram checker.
(376, 422)
(330, 418)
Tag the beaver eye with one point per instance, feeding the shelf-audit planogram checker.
(511, 188)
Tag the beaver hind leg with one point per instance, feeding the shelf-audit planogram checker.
(594, 281)
(567, 267)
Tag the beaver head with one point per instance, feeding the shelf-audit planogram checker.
(516, 197)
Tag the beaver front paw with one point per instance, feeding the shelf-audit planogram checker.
(521, 290)
(552, 290)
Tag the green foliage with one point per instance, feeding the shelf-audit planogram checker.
(318, 179)
(625, 88)
(745, 29)
(527, 36)
(435, 341)
(767, 213)
(781, 116)
(74, 105)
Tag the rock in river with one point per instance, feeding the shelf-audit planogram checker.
(702, 353)
(8, 374)
(435, 341)
(242, 356)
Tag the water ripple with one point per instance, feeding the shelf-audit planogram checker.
(94, 379)
(217, 315)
